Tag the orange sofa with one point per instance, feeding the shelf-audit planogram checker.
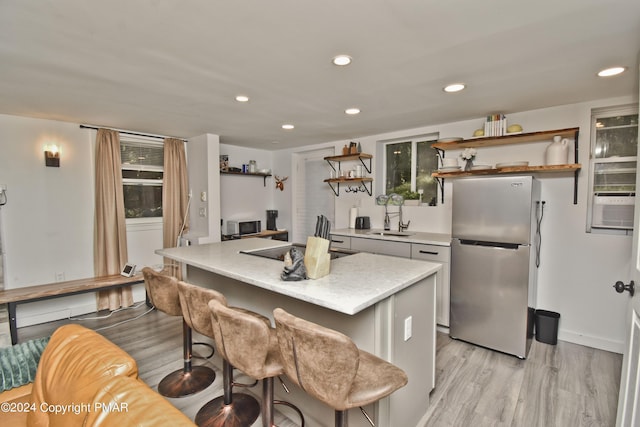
(83, 379)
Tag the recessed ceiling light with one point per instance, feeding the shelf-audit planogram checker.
(455, 87)
(352, 111)
(287, 126)
(242, 98)
(341, 60)
(613, 71)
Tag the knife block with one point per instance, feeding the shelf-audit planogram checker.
(317, 259)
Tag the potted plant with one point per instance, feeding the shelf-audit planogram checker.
(411, 198)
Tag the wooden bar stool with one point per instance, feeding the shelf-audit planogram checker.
(327, 365)
(251, 345)
(162, 291)
(230, 409)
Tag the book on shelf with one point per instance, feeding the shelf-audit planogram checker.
(495, 125)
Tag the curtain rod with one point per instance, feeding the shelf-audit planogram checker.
(131, 133)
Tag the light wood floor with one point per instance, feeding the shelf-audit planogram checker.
(557, 386)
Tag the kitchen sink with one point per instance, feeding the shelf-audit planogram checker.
(390, 233)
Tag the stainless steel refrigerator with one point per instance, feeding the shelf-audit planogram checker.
(495, 238)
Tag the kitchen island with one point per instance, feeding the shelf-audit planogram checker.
(385, 304)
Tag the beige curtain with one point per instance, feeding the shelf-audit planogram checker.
(110, 242)
(175, 197)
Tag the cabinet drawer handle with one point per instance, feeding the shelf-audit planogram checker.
(338, 241)
(429, 252)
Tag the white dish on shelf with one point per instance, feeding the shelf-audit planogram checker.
(511, 165)
(265, 171)
(480, 167)
(449, 169)
(452, 139)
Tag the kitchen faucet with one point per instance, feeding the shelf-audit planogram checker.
(387, 219)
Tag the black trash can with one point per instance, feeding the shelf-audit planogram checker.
(547, 326)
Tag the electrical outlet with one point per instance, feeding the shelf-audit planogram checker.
(203, 196)
(408, 328)
(203, 212)
(60, 276)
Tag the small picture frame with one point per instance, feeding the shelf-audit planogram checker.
(128, 270)
(224, 162)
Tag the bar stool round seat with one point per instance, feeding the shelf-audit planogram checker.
(230, 409)
(327, 365)
(251, 345)
(162, 291)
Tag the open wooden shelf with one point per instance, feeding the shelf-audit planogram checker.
(519, 138)
(516, 169)
(491, 141)
(347, 157)
(361, 182)
(263, 175)
(350, 182)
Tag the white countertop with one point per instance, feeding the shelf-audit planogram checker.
(355, 282)
(439, 239)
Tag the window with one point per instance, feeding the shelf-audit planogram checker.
(612, 180)
(142, 170)
(408, 168)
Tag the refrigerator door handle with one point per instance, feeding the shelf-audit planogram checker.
(490, 244)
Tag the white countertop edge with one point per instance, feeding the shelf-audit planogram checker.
(439, 239)
(368, 275)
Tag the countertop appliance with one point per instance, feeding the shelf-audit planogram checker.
(241, 228)
(494, 247)
(272, 214)
(363, 223)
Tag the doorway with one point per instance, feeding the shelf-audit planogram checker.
(313, 197)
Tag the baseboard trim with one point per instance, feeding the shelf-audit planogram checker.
(591, 341)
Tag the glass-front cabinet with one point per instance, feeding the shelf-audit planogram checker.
(614, 146)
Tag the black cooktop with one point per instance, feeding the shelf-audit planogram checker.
(279, 252)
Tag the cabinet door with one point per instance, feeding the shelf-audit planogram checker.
(382, 247)
(342, 242)
(441, 254)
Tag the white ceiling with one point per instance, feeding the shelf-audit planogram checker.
(173, 67)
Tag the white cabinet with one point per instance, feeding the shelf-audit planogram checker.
(419, 251)
(441, 254)
(342, 242)
(381, 247)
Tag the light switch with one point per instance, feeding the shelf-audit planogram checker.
(408, 327)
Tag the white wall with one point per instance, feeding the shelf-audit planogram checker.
(48, 219)
(247, 197)
(204, 183)
(577, 269)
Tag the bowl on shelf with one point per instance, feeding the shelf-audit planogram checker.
(264, 171)
(480, 167)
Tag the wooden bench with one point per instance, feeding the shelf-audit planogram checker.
(13, 297)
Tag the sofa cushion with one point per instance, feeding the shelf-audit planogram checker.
(18, 363)
(124, 401)
(74, 365)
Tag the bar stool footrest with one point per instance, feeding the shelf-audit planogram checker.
(182, 383)
(206, 345)
(243, 411)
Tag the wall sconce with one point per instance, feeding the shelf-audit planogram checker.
(52, 155)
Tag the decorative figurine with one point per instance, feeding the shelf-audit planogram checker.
(296, 271)
(280, 182)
